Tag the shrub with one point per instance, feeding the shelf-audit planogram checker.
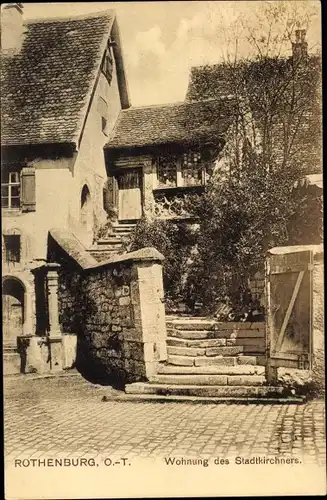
(175, 240)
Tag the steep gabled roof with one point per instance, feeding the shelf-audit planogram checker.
(46, 87)
(171, 123)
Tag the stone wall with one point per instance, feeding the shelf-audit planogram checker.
(116, 310)
(318, 341)
(257, 286)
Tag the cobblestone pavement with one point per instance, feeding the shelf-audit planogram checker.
(66, 417)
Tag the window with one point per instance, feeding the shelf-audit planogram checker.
(192, 170)
(167, 171)
(186, 170)
(12, 248)
(10, 190)
(104, 124)
(107, 65)
(103, 112)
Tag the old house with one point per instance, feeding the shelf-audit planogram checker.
(158, 155)
(62, 87)
(76, 155)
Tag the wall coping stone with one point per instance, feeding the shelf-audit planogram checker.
(144, 254)
(317, 250)
(73, 247)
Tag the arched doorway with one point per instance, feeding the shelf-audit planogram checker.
(87, 211)
(13, 293)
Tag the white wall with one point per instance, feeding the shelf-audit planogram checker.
(59, 182)
(53, 181)
(90, 167)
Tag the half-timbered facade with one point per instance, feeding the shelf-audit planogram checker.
(159, 155)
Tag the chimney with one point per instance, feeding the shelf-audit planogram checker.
(300, 47)
(11, 27)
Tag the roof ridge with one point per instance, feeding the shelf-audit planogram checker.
(172, 104)
(90, 15)
(162, 105)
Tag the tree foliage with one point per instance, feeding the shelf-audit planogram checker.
(250, 205)
(176, 242)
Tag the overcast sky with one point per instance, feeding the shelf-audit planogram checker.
(163, 40)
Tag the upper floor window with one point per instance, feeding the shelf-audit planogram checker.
(181, 171)
(192, 169)
(107, 65)
(167, 171)
(103, 111)
(10, 190)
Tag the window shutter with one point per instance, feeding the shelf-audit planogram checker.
(110, 193)
(28, 189)
(115, 192)
(106, 198)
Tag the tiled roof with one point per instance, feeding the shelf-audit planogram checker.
(171, 123)
(45, 88)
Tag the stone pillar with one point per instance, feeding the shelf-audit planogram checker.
(54, 337)
(149, 313)
(318, 339)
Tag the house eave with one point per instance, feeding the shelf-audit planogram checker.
(51, 150)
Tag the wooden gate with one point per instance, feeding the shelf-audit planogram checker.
(289, 309)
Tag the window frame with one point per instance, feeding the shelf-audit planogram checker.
(10, 251)
(179, 178)
(9, 185)
(106, 61)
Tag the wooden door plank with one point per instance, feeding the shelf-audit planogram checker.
(289, 311)
(276, 269)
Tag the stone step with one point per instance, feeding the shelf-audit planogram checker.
(203, 390)
(122, 232)
(217, 380)
(202, 360)
(209, 351)
(166, 369)
(198, 324)
(112, 240)
(123, 227)
(199, 343)
(194, 334)
(182, 325)
(249, 336)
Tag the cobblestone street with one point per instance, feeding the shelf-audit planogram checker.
(66, 417)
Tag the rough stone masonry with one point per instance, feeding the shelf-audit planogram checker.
(116, 310)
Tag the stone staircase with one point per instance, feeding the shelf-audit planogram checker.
(211, 360)
(112, 244)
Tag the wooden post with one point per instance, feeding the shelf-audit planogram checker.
(271, 371)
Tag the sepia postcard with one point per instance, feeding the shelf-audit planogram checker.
(162, 249)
